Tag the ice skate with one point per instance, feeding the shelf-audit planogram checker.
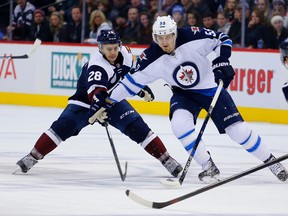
(278, 169)
(26, 163)
(172, 166)
(210, 172)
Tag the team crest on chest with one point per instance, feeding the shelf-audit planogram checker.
(186, 75)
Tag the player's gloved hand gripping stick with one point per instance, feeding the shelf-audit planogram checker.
(223, 71)
(146, 93)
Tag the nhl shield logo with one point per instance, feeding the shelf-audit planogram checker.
(186, 75)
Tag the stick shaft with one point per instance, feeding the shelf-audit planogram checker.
(122, 175)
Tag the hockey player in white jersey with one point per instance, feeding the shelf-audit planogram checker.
(99, 75)
(178, 56)
(284, 60)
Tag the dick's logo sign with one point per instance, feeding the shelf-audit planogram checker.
(66, 69)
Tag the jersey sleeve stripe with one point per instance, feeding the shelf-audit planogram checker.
(128, 89)
(133, 81)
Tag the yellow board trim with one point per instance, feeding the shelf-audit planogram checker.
(155, 107)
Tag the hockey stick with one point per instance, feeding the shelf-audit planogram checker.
(122, 175)
(34, 47)
(177, 183)
(159, 205)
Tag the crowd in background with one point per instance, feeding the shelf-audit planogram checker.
(266, 24)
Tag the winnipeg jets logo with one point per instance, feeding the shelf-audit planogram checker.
(186, 75)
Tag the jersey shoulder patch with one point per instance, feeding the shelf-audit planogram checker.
(128, 49)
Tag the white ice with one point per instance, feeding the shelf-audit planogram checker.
(80, 177)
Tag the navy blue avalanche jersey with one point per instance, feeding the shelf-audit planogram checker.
(99, 73)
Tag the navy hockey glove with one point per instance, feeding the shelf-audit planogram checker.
(99, 109)
(285, 90)
(223, 70)
(146, 93)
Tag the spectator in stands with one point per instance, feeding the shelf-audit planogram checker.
(153, 7)
(236, 26)
(139, 5)
(223, 24)
(280, 32)
(280, 9)
(178, 15)
(167, 6)
(264, 7)
(105, 6)
(45, 5)
(98, 22)
(259, 33)
(200, 6)
(209, 21)
(121, 24)
(119, 6)
(145, 29)
(22, 20)
(131, 32)
(58, 27)
(75, 26)
(193, 19)
(91, 5)
(40, 27)
(187, 5)
(230, 8)
(216, 6)
(64, 8)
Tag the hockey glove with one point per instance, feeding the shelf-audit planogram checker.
(146, 93)
(99, 109)
(285, 90)
(223, 70)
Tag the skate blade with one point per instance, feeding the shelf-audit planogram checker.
(210, 180)
(17, 171)
(170, 183)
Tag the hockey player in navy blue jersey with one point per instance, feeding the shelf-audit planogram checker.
(284, 60)
(99, 75)
(179, 56)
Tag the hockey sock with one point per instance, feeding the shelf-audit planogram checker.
(241, 133)
(155, 147)
(46, 143)
(184, 129)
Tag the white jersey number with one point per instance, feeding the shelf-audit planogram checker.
(94, 75)
(210, 32)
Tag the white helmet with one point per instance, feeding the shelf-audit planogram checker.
(164, 25)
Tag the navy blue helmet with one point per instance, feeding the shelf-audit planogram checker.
(108, 37)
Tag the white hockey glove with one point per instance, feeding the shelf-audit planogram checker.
(100, 116)
(146, 93)
(285, 90)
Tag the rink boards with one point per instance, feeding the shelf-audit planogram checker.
(50, 76)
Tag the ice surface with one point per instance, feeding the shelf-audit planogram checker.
(80, 177)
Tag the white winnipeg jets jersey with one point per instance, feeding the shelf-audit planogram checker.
(187, 67)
